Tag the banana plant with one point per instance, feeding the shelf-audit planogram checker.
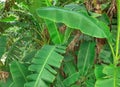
(51, 65)
(109, 77)
(92, 27)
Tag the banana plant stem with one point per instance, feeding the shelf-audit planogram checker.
(118, 30)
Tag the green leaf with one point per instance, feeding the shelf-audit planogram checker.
(75, 85)
(42, 66)
(86, 57)
(59, 81)
(90, 82)
(104, 18)
(105, 5)
(19, 73)
(35, 4)
(55, 35)
(69, 68)
(99, 71)
(105, 83)
(76, 7)
(71, 79)
(3, 40)
(69, 65)
(105, 55)
(86, 24)
(67, 34)
(111, 77)
(27, 57)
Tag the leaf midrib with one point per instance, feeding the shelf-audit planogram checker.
(57, 32)
(86, 57)
(89, 19)
(21, 71)
(43, 67)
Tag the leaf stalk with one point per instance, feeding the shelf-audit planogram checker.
(118, 30)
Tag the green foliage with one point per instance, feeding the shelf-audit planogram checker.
(45, 59)
(59, 43)
(18, 72)
(34, 4)
(111, 77)
(61, 15)
(86, 61)
(56, 37)
(72, 79)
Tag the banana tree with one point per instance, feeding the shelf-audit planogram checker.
(109, 75)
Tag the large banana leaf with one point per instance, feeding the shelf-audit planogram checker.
(86, 24)
(111, 77)
(42, 66)
(86, 60)
(3, 40)
(19, 73)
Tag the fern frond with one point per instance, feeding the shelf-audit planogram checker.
(42, 66)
